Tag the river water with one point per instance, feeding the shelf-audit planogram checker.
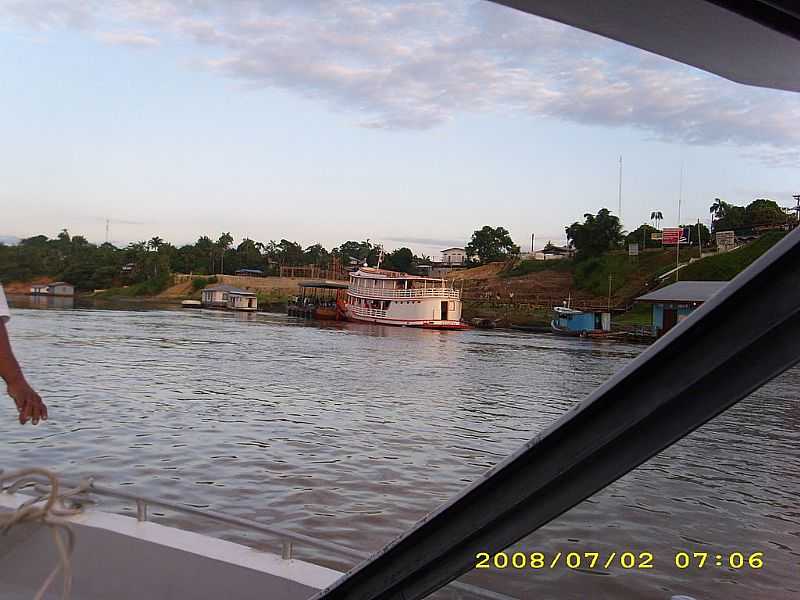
(351, 433)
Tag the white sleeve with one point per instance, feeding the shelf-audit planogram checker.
(5, 314)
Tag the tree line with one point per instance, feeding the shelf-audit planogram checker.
(150, 263)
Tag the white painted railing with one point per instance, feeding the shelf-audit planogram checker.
(415, 293)
(368, 312)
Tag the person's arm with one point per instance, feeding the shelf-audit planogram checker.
(29, 404)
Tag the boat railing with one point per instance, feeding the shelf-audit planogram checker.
(368, 312)
(413, 293)
(286, 538)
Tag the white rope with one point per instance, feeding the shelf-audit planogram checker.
(48, 509)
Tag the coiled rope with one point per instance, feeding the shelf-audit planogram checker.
(49, 508)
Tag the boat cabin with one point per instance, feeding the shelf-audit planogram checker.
(569, 321)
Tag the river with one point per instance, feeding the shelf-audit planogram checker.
(350, 433)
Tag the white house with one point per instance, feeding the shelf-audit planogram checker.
(61, 288)
(39, 289)
(227, 296)
(242, 300)
(454, 256)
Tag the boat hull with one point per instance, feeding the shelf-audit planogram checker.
(454, 325)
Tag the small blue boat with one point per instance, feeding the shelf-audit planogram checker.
(579, 323)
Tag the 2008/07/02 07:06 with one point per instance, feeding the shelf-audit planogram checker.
(625, 560)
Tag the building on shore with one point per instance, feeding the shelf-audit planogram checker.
(673, 303)
(57, 288)
(228, 296)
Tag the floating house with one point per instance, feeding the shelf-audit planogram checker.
(229, 297)
(584, 323)
(57, 288)
(673, 303)
(242, 300)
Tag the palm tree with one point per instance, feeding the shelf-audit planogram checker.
(155, 243)
(223, 243)
(717, 209)
(656, 217)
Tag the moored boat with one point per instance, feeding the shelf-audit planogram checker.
(191, 304)
(580, 323)
(395, 298)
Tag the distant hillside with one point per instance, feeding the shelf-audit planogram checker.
(551, 282)
(724, 267)
(9, 240)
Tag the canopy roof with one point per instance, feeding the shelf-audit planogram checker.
(708, 34)
(684, 291)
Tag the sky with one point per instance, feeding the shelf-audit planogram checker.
(407, 123)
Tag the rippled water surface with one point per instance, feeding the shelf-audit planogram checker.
(351, 433)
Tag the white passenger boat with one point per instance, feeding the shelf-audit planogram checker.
(394, 298)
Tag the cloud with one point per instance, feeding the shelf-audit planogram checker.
(135, 40)
(417, 65)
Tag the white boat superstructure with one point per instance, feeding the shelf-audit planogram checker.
(394, 298)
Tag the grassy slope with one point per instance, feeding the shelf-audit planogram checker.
(724, 267)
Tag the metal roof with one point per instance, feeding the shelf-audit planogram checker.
(685, 291)
(708, 34)
(223, 287)
(338, 285)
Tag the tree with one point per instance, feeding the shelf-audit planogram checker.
(155, 243)
(316, 255)
(223, 243)
(717, 209)
(656, 216)
(401, 259)
(491, 244)
(596, 235)
(642, 236)
(764, 212)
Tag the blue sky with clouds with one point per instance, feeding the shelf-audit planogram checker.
(411, 123)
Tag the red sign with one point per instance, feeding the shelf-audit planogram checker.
(671, 235)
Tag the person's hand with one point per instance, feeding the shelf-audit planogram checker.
(29, 404)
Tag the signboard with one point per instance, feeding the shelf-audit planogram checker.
(672, 236)
(633, 249)
(656, 236)
(726, 240)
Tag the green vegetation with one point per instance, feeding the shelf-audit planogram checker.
(198, 283)
(759, 212)
(526, 267)
(491, 244)
(272, 300)
(723, 267)
(89, 266)
(639, 315)
(596, 235)
(149, 287)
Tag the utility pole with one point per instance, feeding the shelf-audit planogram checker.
(533, 239)
(609, 291)
(678, 245)
(107, 223)
(619, 195)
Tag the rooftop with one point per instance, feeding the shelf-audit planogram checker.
(224, 287)
(327, 284)
(684, 291)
